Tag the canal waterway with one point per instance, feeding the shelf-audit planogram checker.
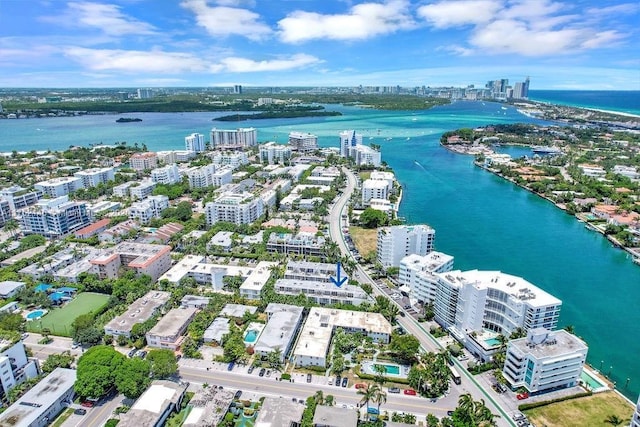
(482, 220)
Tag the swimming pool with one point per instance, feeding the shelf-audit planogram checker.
(35, 314)
(251, 336)
(591, 381)
(389, 369)
(492, 342)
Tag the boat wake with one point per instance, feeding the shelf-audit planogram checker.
(419, 165)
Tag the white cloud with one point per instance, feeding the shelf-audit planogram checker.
(106, 17)
(457, 50)
(224, 21)
(614, 10)
(447, 13)
(132, 61)
(244, 65)
(363, 21)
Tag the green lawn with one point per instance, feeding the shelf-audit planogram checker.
(589, 411)
(59, 320)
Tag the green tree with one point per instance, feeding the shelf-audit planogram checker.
(163, 363)
(132, 377)
(233, 346)
(373, 218)
(405, 347)
(61, 360)
(96, 372)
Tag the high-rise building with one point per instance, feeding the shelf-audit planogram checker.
(395, 243)
(95, 176)
(418, 272)
(238, 208)
(348, 139)
(166, 175)
(56, 187)
(275, 153)
(54, 217)
(303, 142)
(145, 93)
(143, 161)
(195, 143)
(237, 89)
(15, 366)
(635, 421)
(233, 139)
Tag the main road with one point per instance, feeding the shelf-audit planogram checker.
(428, 343)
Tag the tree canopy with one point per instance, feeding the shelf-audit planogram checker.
(132, 377)
(97, 370)
(163, 363)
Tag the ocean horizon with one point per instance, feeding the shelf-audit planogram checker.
(622, 101)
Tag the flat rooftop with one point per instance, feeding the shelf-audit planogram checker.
(237, 310)
(430, 262)
(217, 329)
(34, 403)
(139, 311)
(280, 329)
(279, 412)
(197, 264)
(258, 277)
(557, 343)
(172, 323)
(335, 417)
(147, 410)
(517, 287)
(208, 407)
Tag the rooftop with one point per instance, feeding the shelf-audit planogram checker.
(544, 344)
(258, 277)
(147, 410)
(237, 310)
(279, 412)
(335, 417)
(37, 401)
(282, 324)
(172, 323)
(139, 311)
(208, 407)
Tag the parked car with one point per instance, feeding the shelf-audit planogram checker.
(24, 336)
(262, 371)
(330, 382)
(268, 372)
(410, 392)
(132, 352)
(361, 385)
(141, 354)
(238, 394)
(338, 379)
(449, 413)
(80, 411)
(250, 370)
(394, 390)
(308, 378)
(522, 396)
(87, 404)
(345, 381)
(230, 366)
(74, 345)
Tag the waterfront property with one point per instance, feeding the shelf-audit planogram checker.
(321, 323)
(418, 273)
(39, 406)
(395, 243)
(544, 361)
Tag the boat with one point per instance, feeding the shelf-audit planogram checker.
(504, 108)
(546, 150)
(128, 120)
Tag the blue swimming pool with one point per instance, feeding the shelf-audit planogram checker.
(35, 314)
(251, 336)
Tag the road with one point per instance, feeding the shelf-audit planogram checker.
(428, 343)
(249, 383)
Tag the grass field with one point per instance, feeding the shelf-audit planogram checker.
(59, 320)
(365, 239)
(589, 411)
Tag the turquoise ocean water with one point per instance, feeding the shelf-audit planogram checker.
(482, 220)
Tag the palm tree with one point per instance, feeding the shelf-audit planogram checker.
(329, 400)
(380, 370)
(319, 397)
(367, 394)
(614, 420)
(11, 227)
(392, 311)
(380, 398)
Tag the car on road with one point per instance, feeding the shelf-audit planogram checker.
(394, 390)
(522, 396)
(309, 376)
(407, 306)
(74, 345)
(80, 411)
(345, 381)
(330, 382)
(250, 370)
(230, 366)
(450, 413)
(24, 336)
(268, 372)
(410, 392)
(262, 371)
(238, 394)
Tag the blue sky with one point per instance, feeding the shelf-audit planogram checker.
(579, 44)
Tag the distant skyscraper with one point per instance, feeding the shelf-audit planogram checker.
(195, 142)
(145, 93)
(525, 89)
(237, 89)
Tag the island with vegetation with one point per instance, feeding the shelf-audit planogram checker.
(590, 172)
(128, 120)
(283, 114)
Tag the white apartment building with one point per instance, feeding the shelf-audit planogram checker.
(141, 190)
(395, 243)
(544, 361)
(175, 156)
(57, 187)
(272, 153)
(279, 333)
(388, 177)
(166, 175)
(5, 212)
(95, 176)
(593, 171)
(315, 337)
(54, 217)
(303, 142)
(418, 273)
(149, 208)
(251, 288)
(365, 155)
(374, 189)
(322, 293)
(19, 197)
(143, 161)
(628, 171)
(195, 143)
(238, 208)
(209, 176)
(349, 139)
(139, 311)
(233, 159)
(474, 300)
(15, 366)
(224, 139)
(168, 332)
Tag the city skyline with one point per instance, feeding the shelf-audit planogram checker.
(129, 43)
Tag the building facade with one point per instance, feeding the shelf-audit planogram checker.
(395, 243)
(168, 332)
(143, 161)
(149, 208)
(273, 153)
(166, 175)
(238, 208)
(418, 273)
(233, 139)
(94, 177)
(15, 366)
(303, 142)
(54, 217)
(544, 361)
(195, 142)
(57, 187)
